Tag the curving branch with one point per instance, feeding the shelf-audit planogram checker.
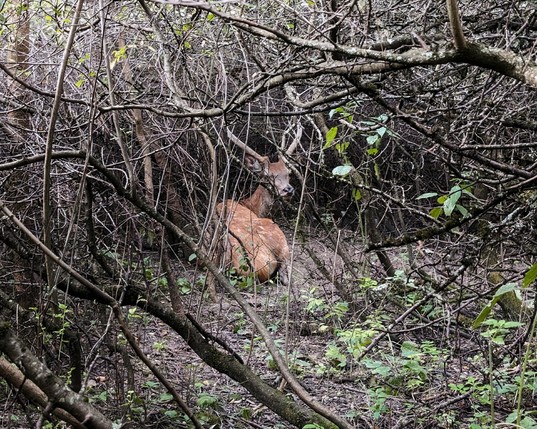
(110, 301)
(499, 60)
(29, 389)
(58, 394)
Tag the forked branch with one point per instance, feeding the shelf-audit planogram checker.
(294, 144)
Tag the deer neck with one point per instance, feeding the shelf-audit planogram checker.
(260, 202)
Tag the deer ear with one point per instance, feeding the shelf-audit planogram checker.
(255, 165)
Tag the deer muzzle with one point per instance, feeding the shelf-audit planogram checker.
(287, 192)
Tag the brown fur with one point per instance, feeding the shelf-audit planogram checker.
(256, 243)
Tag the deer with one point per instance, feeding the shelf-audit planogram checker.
(255, 244)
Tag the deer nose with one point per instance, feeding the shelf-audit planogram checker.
(288, 191)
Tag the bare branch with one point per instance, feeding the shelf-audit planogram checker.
(456, 24)
(247, 149)
(52, 385)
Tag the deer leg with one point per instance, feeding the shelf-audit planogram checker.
(283, 273)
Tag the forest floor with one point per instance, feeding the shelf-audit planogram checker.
(299, 327)
(428, 377)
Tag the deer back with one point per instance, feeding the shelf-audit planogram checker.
(256, 245)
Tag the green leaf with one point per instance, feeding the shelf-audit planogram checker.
(192, 257)
(482, 316)
(330, 136)
(151, 384)
(342, 170)
(468, 191)
(410, 349)
(373, 139)
(502, 290)
(427, 195)
(120, 53)
(451, 201)
(436, 212)
(165, 397)
(512, 324)
(462, 210)
(210, 16)
(376, 167)
(378, 367)
(372, 151)
(528, 423)
(83, 59)
(206, 400)
(530, 276)
(336, 110)
(356, 194)
(342, 147)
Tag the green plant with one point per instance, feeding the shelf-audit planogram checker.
(335, 356)
(474, 386)
(239, 280)
(134, 403)
(496, 330)
(184, 286)
(521, 420)
(356, 339)
(159, 346)
(103, 396)
(374, 130)
(319, 306)
(367, 283)
(246, 413)
(378, 398)
(152, 385)
(61, 316)
(530, 276)
(206, 400)
(502, 290)
(315, 305)
(411, 369)
(449, 202)
(133, 314)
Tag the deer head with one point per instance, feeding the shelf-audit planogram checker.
(276, 173)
